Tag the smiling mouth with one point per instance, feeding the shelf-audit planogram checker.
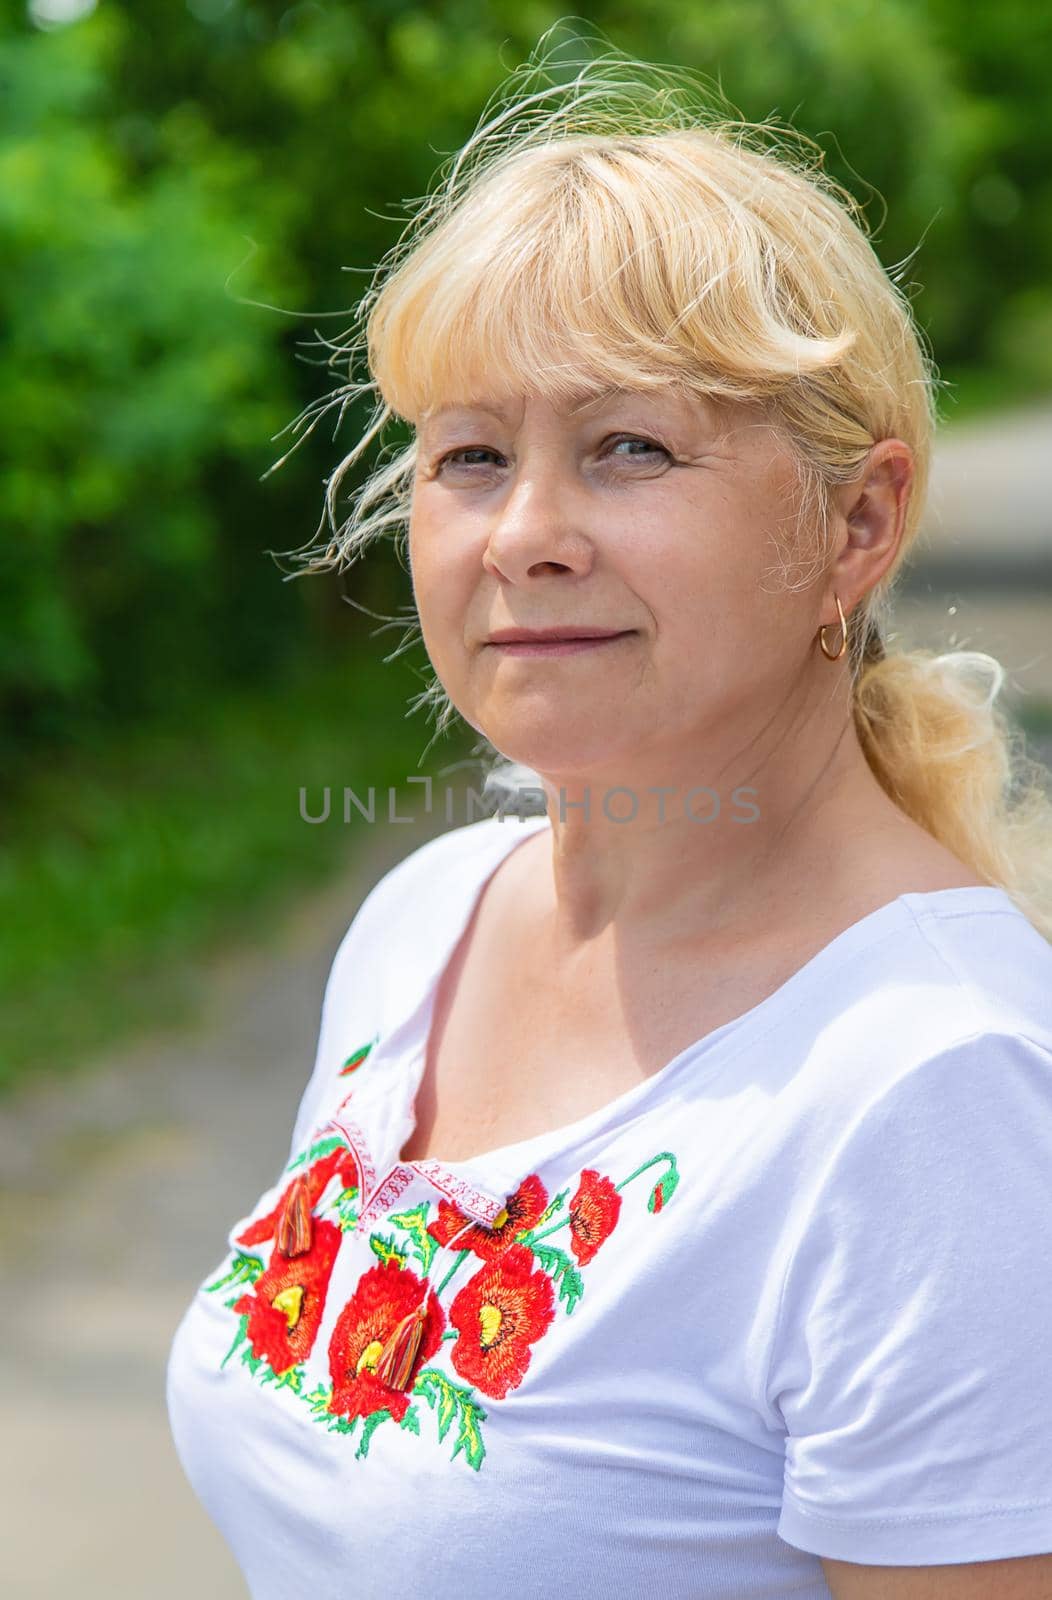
(558, 647)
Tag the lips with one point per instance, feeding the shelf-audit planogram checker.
(548, 647)
(552, 635)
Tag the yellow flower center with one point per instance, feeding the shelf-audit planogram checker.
(370, 1356)
(290, 1301)
(501, 1218)
(490, 1321)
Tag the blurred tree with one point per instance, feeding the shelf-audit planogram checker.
(125, 380)
(170, 169)
(1004, 269)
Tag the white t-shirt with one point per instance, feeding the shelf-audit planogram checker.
(791, 1296)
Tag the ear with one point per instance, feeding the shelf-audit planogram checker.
(871, 513)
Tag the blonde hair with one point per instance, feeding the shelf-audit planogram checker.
(614, 230)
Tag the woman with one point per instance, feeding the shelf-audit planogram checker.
(667, 1211)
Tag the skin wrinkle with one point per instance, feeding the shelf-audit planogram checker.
(722, 684)
(523, 264)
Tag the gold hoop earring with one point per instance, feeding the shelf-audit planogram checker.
(843, 633)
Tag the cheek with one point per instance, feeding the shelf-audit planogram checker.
(442, 589)
(713, 597)
(427, 568)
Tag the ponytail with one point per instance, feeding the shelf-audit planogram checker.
(947, 755)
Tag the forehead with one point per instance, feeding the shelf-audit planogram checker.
(577, 403)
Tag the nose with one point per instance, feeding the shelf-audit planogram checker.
(539, 527)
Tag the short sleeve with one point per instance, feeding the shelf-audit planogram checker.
(911, 1361)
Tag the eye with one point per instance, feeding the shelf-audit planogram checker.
(453, 457)
(467, 456)
(650, 446)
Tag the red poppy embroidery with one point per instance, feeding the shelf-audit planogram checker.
(522, 1211)
(495, 1319)
(385, 1294)
(318, 1177)
(594, 1211)
(499, 1314)
(285, 1305)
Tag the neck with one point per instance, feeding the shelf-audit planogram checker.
(690, 845)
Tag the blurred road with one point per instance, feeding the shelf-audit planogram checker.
(113, 1179)
(115, 1184)
(980, 576)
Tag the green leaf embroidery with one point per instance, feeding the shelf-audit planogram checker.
(356, 1058)
(446, 1408)
(452, 1402)
(411, 1420)
(318, 1399)
(369, 1427)
(667, 1183)
(665, 1188)
(469, 1439)
(243, 1269)
(239, 1336)
(252, 1362)
(415, 1224)
(564, 1274)
(386, 1249)
(346, 1211)
(291, 1378)
(315, 1152)
(552, 1207)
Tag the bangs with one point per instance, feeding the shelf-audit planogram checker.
(588, 266)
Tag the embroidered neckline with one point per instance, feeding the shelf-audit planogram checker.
(520, 1279)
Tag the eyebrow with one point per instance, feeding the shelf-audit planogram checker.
(578, 397)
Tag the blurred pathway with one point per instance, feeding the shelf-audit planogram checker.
(113, 1181)
(981, 572)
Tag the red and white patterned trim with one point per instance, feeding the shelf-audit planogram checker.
(391, 1189)
(356, 1143)
(376, 1197)
(475, 1202)
(480, 1207)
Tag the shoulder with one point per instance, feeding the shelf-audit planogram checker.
(997, 1073)
(934, 1141)
(440, 859)
(405, 923)
(397, 940)
(990, 962)
(937, 968)
(963, 954)
(913, 1041)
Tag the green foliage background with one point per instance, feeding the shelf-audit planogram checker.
(163, 163)
(190, 191)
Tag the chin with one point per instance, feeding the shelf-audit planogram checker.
(557, 758)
